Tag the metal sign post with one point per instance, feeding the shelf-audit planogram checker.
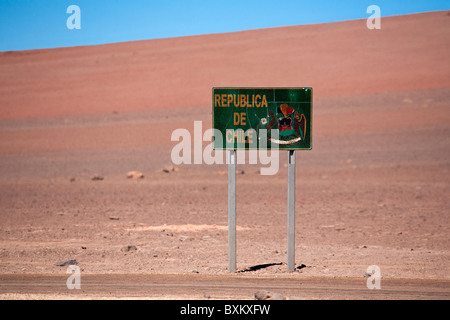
(231, 210)
(291, 212)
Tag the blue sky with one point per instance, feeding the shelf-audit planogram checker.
(32, 24)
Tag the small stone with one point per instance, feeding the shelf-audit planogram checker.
(97, 178)
(129, 248)
(135, 175)
(268, 295)
(170, 169)
(66, 262)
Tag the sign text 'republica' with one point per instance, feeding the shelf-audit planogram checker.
(254, 118)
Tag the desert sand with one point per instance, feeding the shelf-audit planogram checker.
(374, 189)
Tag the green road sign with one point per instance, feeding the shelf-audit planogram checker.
(253, 118)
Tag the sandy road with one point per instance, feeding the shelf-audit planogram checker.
(161, 286)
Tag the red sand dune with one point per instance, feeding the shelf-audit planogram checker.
(346, 58)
